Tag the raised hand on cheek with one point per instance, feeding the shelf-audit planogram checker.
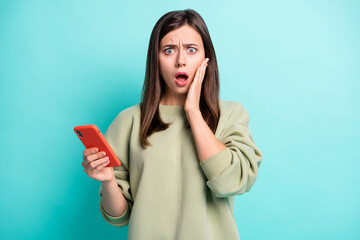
(193, 96)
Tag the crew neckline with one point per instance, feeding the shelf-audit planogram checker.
(174, 109)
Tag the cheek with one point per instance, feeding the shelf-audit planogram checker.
(163, 67)
(200, 59)
(195, 65)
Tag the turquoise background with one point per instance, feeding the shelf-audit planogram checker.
(294, 65)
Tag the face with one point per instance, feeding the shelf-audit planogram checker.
(181, 52)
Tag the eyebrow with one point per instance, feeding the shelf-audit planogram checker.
(185, 44)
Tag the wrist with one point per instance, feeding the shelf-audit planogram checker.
(109, 182)
(193, 114)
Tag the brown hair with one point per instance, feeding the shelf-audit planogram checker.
(154, 85)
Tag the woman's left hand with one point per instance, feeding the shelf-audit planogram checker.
(192, 101)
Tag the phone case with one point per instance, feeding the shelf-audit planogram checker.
(91, 137)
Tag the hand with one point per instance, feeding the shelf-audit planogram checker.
(192, 101)
(94, 163)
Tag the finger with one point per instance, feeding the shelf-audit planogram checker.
(88, 159)
(100, 167)
(197, 73)
(94, 164)
(89, 151)
(203, 73)
(197, 77)
(205, 61)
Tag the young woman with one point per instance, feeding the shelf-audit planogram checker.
(185, 153)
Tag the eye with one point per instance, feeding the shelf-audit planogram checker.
(169, 51)
(192, 50)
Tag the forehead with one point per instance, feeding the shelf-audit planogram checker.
(186, 34)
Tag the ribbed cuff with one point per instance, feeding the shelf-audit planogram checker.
(217, 163)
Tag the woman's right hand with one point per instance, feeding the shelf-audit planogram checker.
(94, 163)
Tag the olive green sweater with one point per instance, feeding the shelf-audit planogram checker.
(169, 193)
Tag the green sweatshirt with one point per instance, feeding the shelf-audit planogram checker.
(169, 193)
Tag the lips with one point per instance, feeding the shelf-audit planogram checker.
(181, 76)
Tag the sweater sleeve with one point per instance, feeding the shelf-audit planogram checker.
(233, 171)
(117, 135)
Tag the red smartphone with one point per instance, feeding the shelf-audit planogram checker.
(91, 137)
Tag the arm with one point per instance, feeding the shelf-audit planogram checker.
(231, 170)
(207, 144)
(114, 207)
(116, 198)
(112, 200)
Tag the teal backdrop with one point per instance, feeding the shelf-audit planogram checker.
(294, 65)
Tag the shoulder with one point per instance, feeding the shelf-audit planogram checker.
(126, 118)
(129, 113)
(230, 106)
(233, 111)
(122, 125)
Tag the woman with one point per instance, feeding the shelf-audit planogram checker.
(185, 153)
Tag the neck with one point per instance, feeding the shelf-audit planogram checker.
(173, 101)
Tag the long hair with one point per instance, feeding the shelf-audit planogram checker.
(154, 86)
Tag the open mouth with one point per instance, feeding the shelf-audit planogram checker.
(181, 76)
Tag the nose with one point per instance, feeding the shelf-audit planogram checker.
(180, 59)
